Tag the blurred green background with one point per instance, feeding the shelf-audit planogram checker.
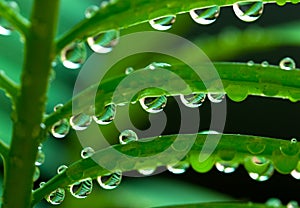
(255, 116)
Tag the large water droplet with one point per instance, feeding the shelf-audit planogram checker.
(82, 188)
(226, 167)
(107, 117)
(60, 129)
(273, 202)
(36, 174)
(216, 97)
(199, 165)
(205, 16)
(5, 27)
(287, 63)
(285, 161)
(163, 23)
(87, 152)
(248, 11)
(61, 169)
(147, 171)
(259, 168)
(40, 158)
(110, 181)
(91, 11)
(256, 146)
(56, 197)
(179, 167)
(73, 55)
(292, 204)
(127, 136)
(194, 100)
(104, 42)
(80, 121)
(153, 104)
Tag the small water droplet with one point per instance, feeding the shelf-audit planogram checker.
(40, 158)
(226, 167)
(73, 55)
(294, 141)
(205, 16)
(296, 174)
(111, 181)
(287, 63)
(107, 116)
(292, 204)
(91, 11)
(104, 42)
(42, 184)
(128, 70)
(58, 106)
(87, 152)
(163, 23)
(193, 100)
(216, 97)
(248, 11)
(179, 167)
(147, 171)
(56, 197)
(153, 104)
(80, 121)
(36, 174)
(264, 64)
(61, 169)
(127, 136)
(273, 202)
(82, 188)
(5, 26)
(155, 65)
(250, 63)
(60, 129)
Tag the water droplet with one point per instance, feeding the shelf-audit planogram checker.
(256, 146)
(193, 100)
(153, 104)
(104, 42)
(147, 171)
(273, 202)
(91, 11)
(264, 64)
(56, 197)
(287, 63)
(216, 97)
(248, 11)
(296, 174)
(60, 129)
(111, 181)
(199, 165)
(250, 63)
(127, 136)
(259, 168)
(87, 152)
(292, 204)
(155, 65)
(40, 158)
(80, 121)
(73, 55)
(179, 167)
(82, 188)
(205, 16)
(128, 70)
(107, 117)
(36, 174)
(5, 27)
(42, 184)
(289, 149)
(58, 106)
(61, 169)
(226, 167)
(163, 23)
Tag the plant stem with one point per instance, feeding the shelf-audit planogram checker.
(19, 22)
(30, 106)
(8, 86)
